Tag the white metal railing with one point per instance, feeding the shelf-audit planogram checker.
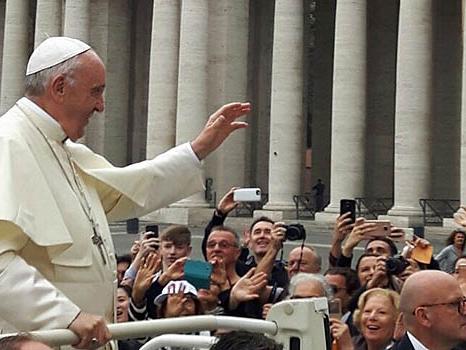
(297, 324)
(179, 340)
(141, 329)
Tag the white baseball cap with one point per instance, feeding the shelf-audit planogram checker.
(54, 50)
(174, 287)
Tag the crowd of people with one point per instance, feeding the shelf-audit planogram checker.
(368, 298)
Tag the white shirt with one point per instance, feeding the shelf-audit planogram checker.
(417, 345)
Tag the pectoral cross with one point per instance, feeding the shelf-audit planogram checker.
(97, 240)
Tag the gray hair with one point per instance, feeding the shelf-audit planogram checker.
(314, 277)
(35, 84)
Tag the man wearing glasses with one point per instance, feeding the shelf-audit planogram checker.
(434, 311)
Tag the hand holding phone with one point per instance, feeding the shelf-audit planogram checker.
(348, 206)
(152, 231)
(247, 195)
(382, 228)
(197, 272)
(334, 308)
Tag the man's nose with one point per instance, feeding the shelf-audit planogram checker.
(100, 104)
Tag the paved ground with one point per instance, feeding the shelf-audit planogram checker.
(318, 235)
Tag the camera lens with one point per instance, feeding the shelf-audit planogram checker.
(295, 232)
(396, 265)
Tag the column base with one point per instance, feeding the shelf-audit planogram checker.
(450, 223)
(403, 220)
(275, 215)
(329, 215)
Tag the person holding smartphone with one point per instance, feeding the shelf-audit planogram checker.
(159, 269)
(263, 240)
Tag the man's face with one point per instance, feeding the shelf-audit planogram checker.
(83, 96)
(170, 252)
(222, 244)
(121, 269)
(338, 283)
(308, 262)
(260, 238)
(378, 248)
(447, 323)
(308, 289)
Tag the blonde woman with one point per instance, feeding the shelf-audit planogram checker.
(375, 318)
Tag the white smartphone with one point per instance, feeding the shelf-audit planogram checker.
(247, 195)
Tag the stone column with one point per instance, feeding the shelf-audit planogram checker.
(48, 20)
(348, 105)
(111, 40)
(286, 114)
(163, 77)
(227, 81)
(450, 222)
(413, 111)
(192, 110)
(15, 52)
(77, 19)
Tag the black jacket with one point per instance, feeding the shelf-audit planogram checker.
(403, 344)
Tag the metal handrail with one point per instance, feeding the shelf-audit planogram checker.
(141, 329)
(179, 340)
(428, 209)
(304, 203)
(374, 206)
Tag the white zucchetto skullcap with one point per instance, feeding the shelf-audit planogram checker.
(53, 51)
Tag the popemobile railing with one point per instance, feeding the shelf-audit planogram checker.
(298, 324)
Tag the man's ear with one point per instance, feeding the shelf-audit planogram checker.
(57, 88)
(422, 317)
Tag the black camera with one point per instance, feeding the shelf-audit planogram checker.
(295, 232)
(396, 265)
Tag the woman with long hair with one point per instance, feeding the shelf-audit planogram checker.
(454, 249)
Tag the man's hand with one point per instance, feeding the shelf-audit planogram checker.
(343, 227)
(144, 277)
(91, 330)
(341, 334)
(278, 235)
(379, 278)
(247, 288)
(265, 310)
(175, 303)
(359, 232)
(174, 272)
(227, 203)
(219, 274)
(146, 246)
(219, 126)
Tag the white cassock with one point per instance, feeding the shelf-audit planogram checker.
(50, 193)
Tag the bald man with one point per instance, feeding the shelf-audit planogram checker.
(434, 312)
(303, 260)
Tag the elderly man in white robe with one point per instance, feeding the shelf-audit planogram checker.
(57, 265)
